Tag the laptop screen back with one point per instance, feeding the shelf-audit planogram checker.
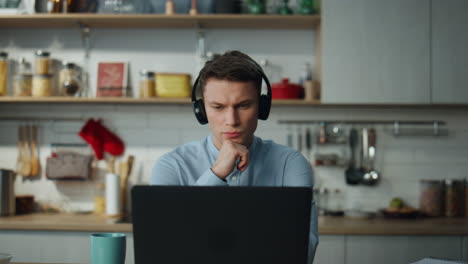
(220, 225)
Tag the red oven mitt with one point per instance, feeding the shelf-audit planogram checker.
(101, 139)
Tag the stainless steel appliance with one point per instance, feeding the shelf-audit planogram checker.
(7, 192)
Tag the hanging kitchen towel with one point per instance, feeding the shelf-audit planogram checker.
(101, 139)
(68, 166)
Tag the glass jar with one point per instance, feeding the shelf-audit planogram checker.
(23, 67)
(454, 198)
(22, 85)
(41, 85)
(3, 73)
(69, 82)
(147, 84)
(42, 62)
(431, 197)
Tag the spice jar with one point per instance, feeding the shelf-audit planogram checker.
(41, 85)
(431, 197)
(42, 62)
(454, 198)
(68, 79)
(147, 84)
(22, 84)
(3, 73)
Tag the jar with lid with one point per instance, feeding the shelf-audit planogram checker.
(3, 72)
(22, 85)
(147, 84)
(322, 201)
(42, 62)
(454, 198)
(69, 83)
(335, 203)
(22, 81)
(431, 197)
(41, 85)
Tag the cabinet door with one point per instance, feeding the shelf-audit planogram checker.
(465, 249)
(376, 51)
(449, 51)
(331, 249)
(52, 247)
(401, 249)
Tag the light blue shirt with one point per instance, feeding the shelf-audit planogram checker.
(270, 164)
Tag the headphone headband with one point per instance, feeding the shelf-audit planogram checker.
(264, 105)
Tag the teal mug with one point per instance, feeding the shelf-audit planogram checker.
(108, 248)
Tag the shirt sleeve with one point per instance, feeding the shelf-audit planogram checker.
(165, 172)
(208, 178)
(298, 172)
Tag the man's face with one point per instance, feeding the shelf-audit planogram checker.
(232, 111)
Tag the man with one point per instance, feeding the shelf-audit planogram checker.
(231, 155)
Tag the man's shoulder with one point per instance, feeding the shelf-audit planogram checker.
(272, 148)
(189, 149)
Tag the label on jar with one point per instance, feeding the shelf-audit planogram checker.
(41, 85)
(42, 65)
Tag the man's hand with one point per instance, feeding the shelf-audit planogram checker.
(228, 155)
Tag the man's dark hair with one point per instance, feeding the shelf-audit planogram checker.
(231, 66)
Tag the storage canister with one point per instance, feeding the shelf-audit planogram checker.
(454, 197)
(147, 84)
(22, 85)
(42, 62)
(7, 192)
(3, 72)
(431, 197)
(41, 85)
(68, 79)
(173, 85)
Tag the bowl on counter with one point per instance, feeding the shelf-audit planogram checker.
(401, 213)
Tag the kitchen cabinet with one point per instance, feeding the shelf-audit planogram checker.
(401, 249)
(376, 51)
(465, 248)
(331, 249)
(53, 247)
(449, 51)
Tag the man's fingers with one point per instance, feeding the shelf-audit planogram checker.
(244, 160)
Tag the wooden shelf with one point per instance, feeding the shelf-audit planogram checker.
(160, 21)
(124, 100)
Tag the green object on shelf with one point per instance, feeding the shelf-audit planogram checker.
(284, 9)
(256, 7)
(307, 7)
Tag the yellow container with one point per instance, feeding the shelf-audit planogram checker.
(173, 85)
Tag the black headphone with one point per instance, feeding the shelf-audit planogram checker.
(264, 103)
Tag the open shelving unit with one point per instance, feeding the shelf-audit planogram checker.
(156, 21)
(124, 100)
(160, 21)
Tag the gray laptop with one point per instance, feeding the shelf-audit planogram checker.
(220, 225)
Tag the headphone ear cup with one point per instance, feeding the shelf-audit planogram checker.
(199, 110)
(264, 106)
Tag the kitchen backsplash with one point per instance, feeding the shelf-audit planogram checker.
(151, 130)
